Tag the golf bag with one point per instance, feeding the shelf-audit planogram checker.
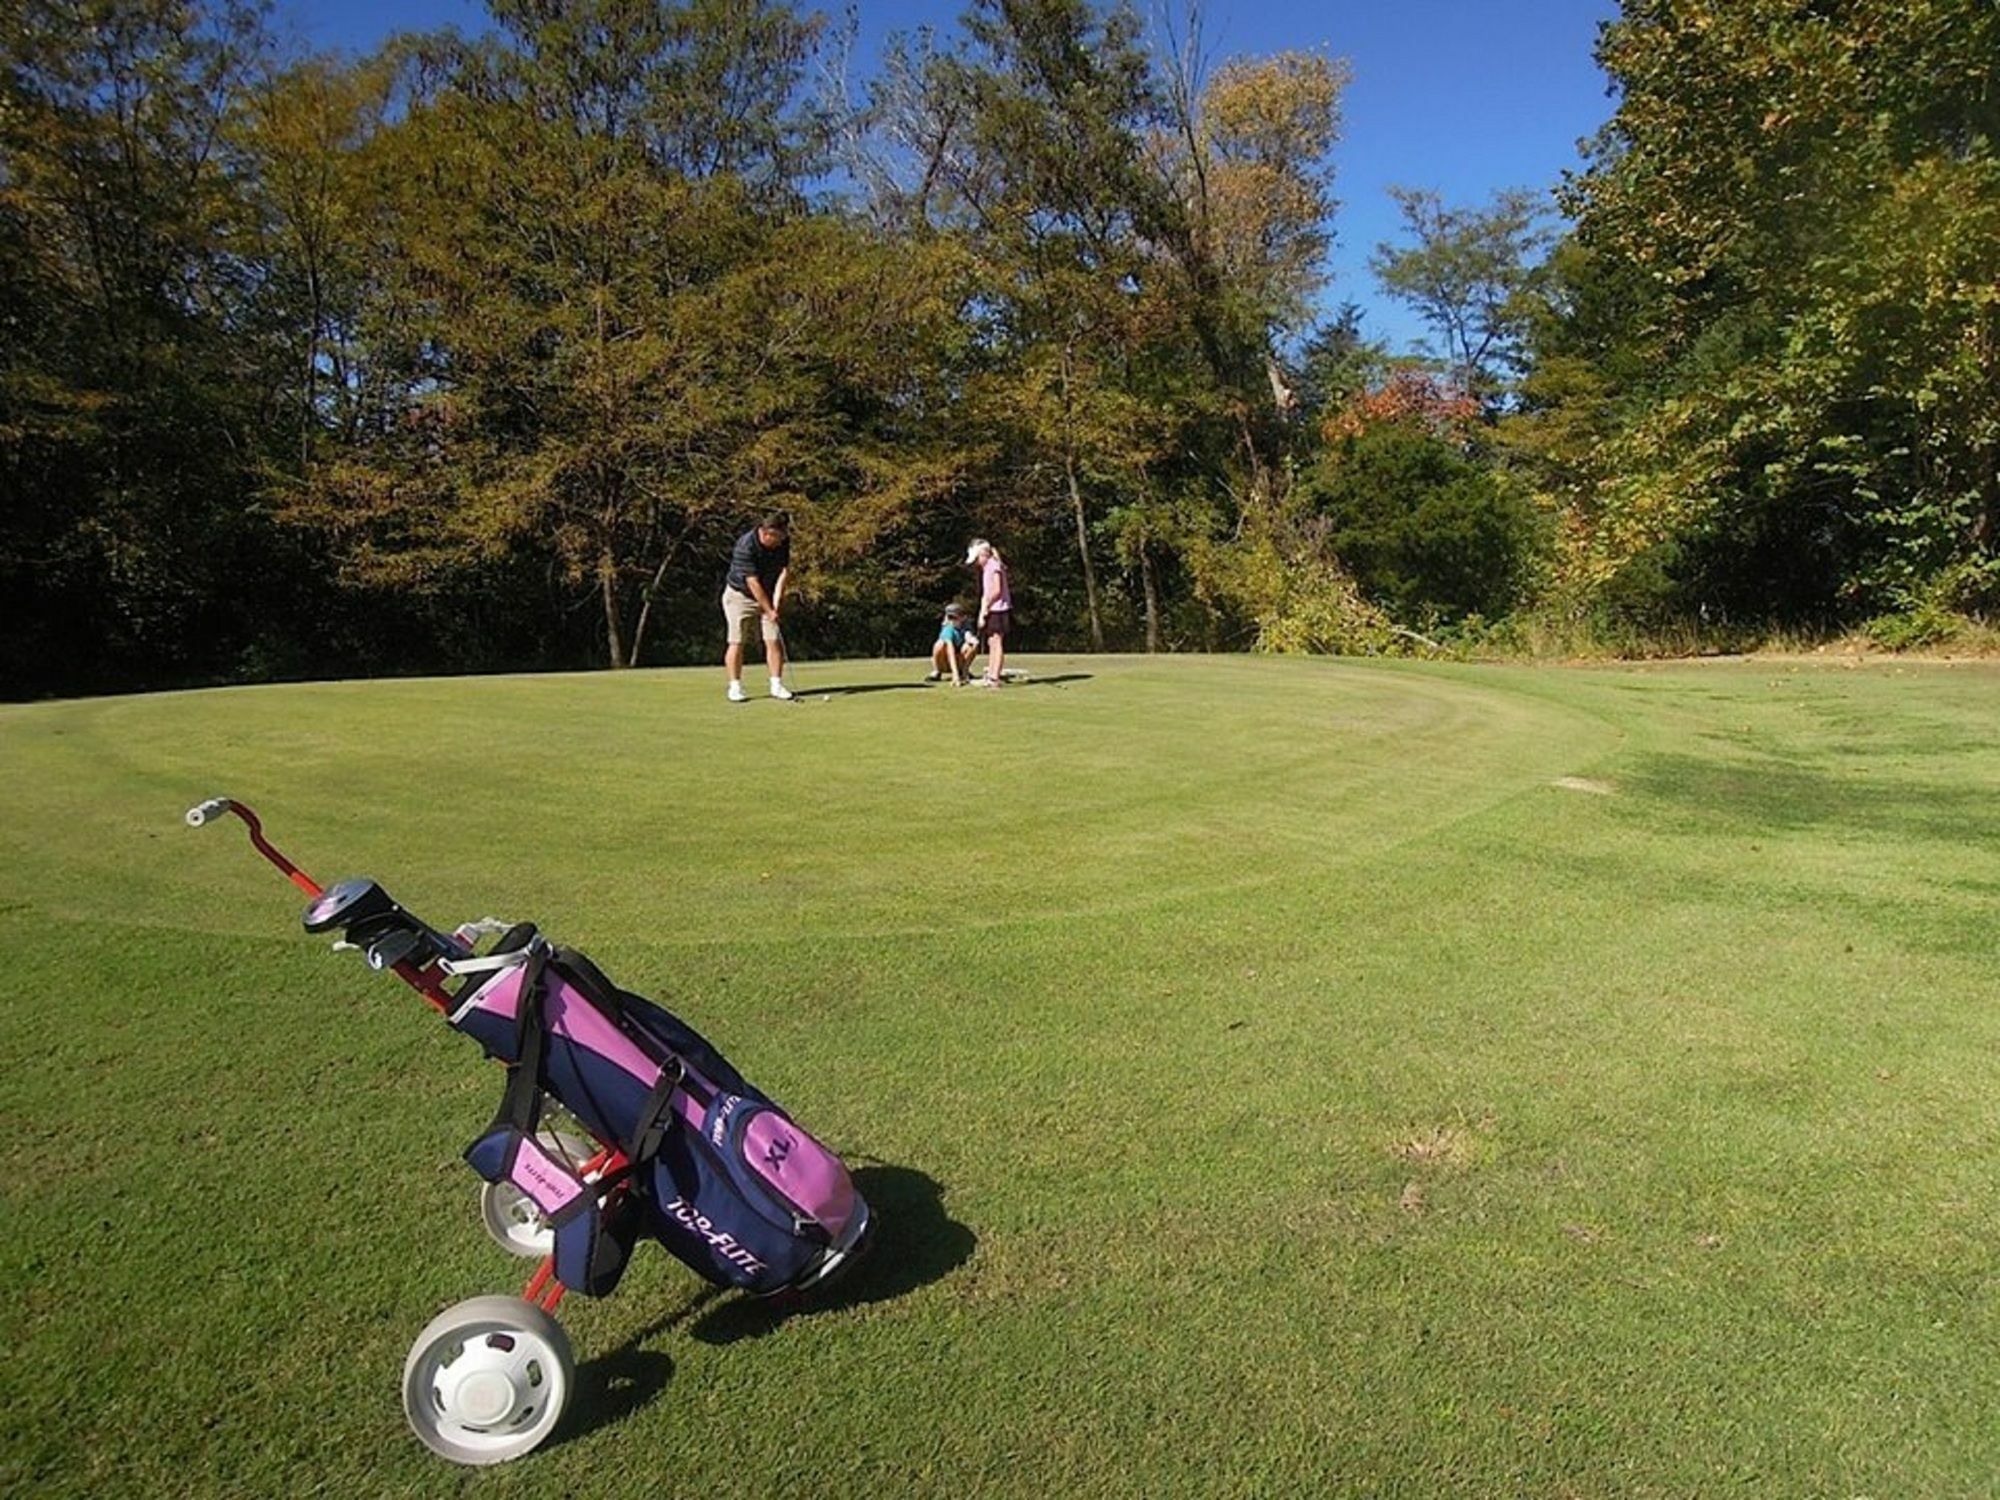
(693, 1155)
(717, 1172)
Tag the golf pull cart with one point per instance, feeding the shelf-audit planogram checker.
(661, 1137)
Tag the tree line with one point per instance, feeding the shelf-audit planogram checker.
(473, 353)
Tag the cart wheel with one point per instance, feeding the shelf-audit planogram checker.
(487, 1380)
(512, 1217)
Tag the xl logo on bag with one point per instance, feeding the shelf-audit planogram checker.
(777, 1151)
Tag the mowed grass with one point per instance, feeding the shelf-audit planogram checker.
(1271, 1082)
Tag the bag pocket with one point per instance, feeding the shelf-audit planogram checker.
(595, 1223)
(808, 1181)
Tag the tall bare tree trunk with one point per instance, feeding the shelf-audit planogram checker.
(1152, 588)
(652, 593)
(607, 578)
(312, 359)
(1076, 504)
(1260, 476)
(1083, 551)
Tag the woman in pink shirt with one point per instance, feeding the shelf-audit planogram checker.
(996, 606)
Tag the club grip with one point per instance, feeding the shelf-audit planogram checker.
(208, 811)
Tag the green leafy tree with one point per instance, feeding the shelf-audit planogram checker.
(1056, 97)
(1471, 275)
(1430, 533)
(1799, 205)
(130, 393)
(304, 132)
(1248, 169)
(1249, 193)
(571, 213)
(1336, 363)
(1149, 239)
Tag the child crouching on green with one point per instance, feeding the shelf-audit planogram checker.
(956, 647)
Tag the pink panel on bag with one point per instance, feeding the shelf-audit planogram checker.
(499, 996)
(688, 1110)
(570, 1016)
(806, 1175)
(538, 1175)
(575, 1019)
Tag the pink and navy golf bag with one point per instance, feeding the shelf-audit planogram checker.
(719, 1174)
(694, 1155)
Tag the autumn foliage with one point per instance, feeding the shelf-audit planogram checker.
(1415, 398)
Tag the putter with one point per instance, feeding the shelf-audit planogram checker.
(799, 694)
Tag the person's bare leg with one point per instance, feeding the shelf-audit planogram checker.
(732, 660)
(996, 656)
(774, 657)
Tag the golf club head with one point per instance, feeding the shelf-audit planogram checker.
(349, 903)
(393, 947)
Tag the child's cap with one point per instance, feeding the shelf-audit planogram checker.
(952, 612)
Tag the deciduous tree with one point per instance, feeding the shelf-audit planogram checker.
(1470, 274)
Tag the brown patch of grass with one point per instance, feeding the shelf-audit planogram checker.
(1438, 1146)
(1583, 784)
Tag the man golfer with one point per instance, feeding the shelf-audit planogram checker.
(759, 567)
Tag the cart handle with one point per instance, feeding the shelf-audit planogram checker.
(207, 812)
(204, 813)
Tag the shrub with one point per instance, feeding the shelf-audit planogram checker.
(1913, 629)
(1429, 533)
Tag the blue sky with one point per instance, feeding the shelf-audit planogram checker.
(1464, 96)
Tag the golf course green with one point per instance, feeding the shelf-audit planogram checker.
(1274, 1077)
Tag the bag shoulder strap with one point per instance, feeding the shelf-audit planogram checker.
(656, 1116)
(521, 1104)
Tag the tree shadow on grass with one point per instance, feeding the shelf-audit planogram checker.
(1059, 680)
(915, 1243)
(1779, 796)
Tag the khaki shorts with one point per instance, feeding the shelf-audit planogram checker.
(738, 610)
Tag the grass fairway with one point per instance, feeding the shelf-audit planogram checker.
(1271, 1083)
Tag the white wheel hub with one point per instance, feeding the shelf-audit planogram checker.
(482, 1398)
(487, 1380)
